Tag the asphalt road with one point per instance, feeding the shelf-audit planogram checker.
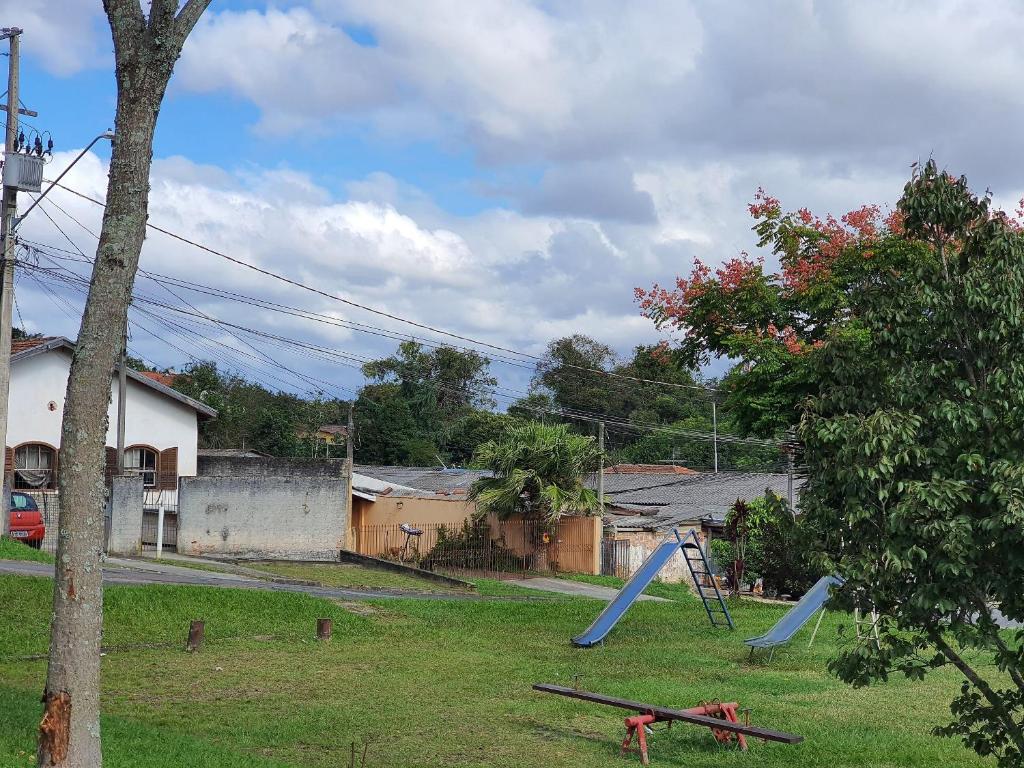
(195, 577)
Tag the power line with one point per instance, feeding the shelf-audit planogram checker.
(179, 298)
(382, 313)
(332, 355)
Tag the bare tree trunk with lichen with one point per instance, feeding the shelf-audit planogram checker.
(145, 50)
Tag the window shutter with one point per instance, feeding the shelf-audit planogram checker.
(111, 468)
(9, 467)
(167, 479)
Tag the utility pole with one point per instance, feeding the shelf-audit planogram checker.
(714, 431)
(350, 452)
(790, 451)
(7, 212)
(600, 464)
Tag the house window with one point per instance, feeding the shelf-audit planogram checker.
(34, 466)
(141, 461)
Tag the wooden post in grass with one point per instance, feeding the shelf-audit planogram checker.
(323, 629)
(196, 630)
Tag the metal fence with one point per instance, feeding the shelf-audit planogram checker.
(488, 546)
(48, 503)
(615, 558)
(152, 502)
(49, 507)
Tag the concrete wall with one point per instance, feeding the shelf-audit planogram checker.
(276, 508)
(38, 384)
(125, 516)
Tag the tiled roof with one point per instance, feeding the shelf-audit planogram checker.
(20, 345)
(648, 469)
(50, 343)
(334, 429)
(167, 379)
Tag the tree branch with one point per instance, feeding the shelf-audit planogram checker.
(126, 20)
(991, 631)
(188, 17)
(1012, 729)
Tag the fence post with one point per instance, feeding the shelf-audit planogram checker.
(160, 527)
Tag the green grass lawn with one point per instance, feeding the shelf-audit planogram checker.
(431, 683)
(15, 550)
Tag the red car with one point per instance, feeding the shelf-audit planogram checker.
(26, 520)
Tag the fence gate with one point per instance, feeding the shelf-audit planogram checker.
(615, 558)
(152, 500)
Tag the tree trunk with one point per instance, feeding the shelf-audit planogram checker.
(145, 51)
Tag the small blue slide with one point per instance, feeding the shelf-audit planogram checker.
(630, 591)
(797, 616)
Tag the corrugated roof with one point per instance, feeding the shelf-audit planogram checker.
(690, 498)
(423, 481)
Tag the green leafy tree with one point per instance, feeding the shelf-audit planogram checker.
(472, 430)
(773, 323)
(536, 406)
(915, 459)
(538, 471)
(440, 383)
(251, 416)
(570, 372)
(387, 431)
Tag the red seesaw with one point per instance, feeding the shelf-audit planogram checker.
(721, 718)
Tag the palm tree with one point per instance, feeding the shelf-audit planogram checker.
(538, 472)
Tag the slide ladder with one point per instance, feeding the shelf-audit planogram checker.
(700, 570)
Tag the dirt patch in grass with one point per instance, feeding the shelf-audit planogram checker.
(345, 575)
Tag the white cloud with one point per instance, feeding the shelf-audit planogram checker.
(66, 40)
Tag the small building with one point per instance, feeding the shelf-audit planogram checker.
(161, 427)
(431, 499)
(418, 495)
(644, 507)
(161, 424)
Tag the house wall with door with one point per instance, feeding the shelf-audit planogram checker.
(643, 542)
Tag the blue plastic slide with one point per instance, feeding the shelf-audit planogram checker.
(798, 615)
(630, 591)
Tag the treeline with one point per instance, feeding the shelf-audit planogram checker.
(427, 406)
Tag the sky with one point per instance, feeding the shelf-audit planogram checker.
(504, 170)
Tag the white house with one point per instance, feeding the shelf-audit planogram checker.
(161, 424)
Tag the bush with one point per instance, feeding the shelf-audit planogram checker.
(472, 548)
(777, 550)
(784, 552)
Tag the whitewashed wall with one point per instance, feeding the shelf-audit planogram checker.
(151, 418)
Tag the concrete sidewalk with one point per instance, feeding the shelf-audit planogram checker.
(129, 572)
(576, 589)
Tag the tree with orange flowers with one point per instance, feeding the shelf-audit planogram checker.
(772, 323)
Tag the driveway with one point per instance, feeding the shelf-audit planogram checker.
(132, 572)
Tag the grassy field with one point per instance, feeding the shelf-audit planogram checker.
(15, 550)
(430, 683)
